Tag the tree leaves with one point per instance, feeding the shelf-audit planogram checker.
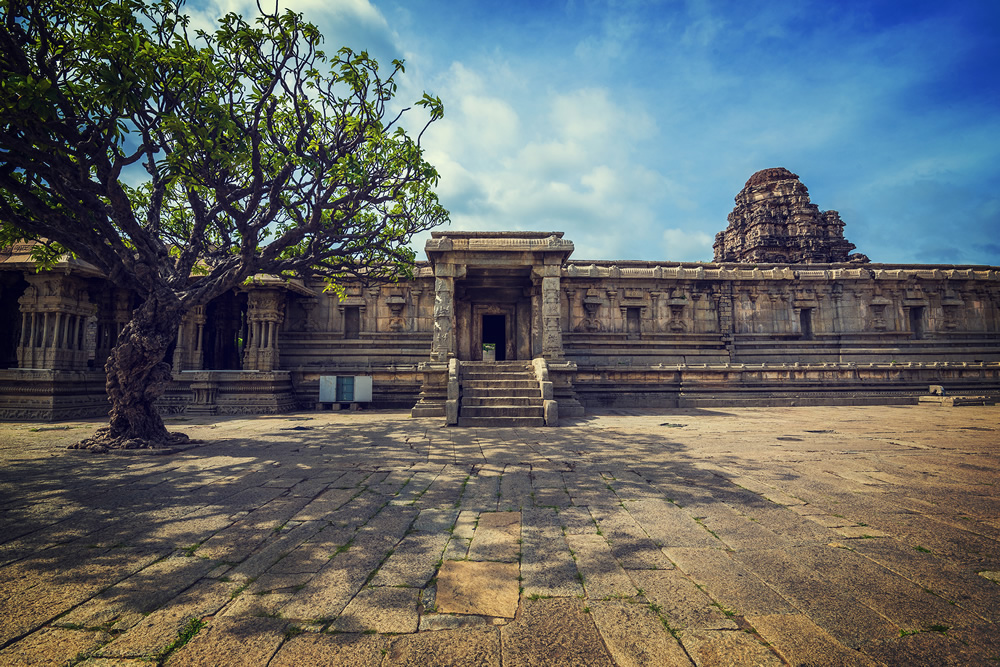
(258, 153)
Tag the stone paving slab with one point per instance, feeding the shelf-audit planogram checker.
(497, 537)
(602, 576)
(682, 604)
(728, 647)
(229, 642)
(53, 646)
(825, 595)
(158, 630)
(800, 641)
(379, 609)
(413, 562)
(323, 650)
(630, 545)
(864, 535)
(730, 584)
(125, 603)
(896, 598)
(481, 588)
(635, 636)
(472, 647)
(547, 568)
(557, 632)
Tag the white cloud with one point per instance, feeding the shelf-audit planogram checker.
(355, 23)
(562, 161)
(687, 246)
(631, 124)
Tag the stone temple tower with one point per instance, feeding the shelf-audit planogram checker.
(774, 222)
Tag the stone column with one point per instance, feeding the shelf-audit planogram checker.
(188, 352)
(113, 313)
(179, 348)
(570, 319)
(265, 311)
(443, 343)
(414, 313)
(551, 312)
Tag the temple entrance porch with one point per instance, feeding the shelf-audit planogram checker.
(500, 288)
(494, 306)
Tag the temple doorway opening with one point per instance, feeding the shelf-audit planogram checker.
(225, 332)
(12, 286)
(495, 331)
(917, 322)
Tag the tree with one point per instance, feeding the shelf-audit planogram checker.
(183, 164)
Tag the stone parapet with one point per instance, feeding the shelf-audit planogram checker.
(229, 393)
(721, 385)
(730, 271)
(48, 395)
(433, 390)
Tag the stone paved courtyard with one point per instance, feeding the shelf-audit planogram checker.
(803, 536)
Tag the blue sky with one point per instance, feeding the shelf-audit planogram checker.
(632, 125)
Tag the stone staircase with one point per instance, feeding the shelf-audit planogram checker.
(500, 394)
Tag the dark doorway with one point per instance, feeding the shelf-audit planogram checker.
(225, 332)
(917, 321)
(633, 324)
(495, 331)
(352, 322)
(806, 323)
(12, 286)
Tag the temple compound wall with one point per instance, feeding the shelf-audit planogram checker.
(600, 333)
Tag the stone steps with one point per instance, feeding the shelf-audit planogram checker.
(500, 384)
(501, 411)
(500, 395)
(499, 400)
(489, 377)
(501, 422)
(499, 392)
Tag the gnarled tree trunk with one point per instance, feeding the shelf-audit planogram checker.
(137, 376)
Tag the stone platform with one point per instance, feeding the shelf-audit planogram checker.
(739, 536)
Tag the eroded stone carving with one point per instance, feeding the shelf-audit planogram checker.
(774, 222)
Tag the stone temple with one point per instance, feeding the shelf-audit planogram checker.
(784, 315)
(774, 222)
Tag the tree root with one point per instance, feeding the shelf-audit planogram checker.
(103, 441)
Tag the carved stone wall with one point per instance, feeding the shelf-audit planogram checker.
(636, 313)
(774, 222)
(614, 332)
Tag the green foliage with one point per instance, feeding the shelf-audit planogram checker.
(184, 635)
(156, 152)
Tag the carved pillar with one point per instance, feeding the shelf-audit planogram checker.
(414, 312)
(308, 306)
(179, 348)
(443, 343)
(372, 295)
(552, 347)
(113, 314)
(265, 312)
(54, 310)
(654, 298)
(570, 295)
(551, 311)
(189, 353)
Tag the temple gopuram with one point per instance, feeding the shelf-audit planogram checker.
(508, 328)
